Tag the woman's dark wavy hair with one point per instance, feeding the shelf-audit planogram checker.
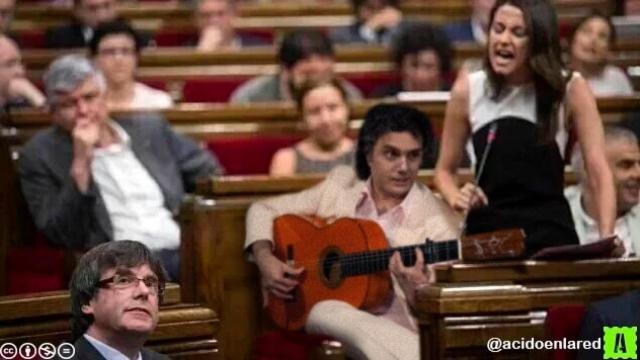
(595, 14)
(418, 37)
(386, 118)
(545, 62)
(114, 27)
(111, 255)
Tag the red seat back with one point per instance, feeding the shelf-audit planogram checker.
(564, 321)
(249, 155)
(280, 344)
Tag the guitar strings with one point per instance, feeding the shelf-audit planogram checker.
(438, 251)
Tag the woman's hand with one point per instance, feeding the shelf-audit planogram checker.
(618, 249)
(468, 197)
(410, 277)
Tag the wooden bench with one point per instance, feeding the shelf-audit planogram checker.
(185, 331)
(472, 303)
(172, 11)
(222, 277)
(38, 59)
(210, 121)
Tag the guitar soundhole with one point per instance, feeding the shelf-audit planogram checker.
(330, 268)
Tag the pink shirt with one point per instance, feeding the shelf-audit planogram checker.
(389, 222)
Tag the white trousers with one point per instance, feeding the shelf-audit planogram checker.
(362, 334)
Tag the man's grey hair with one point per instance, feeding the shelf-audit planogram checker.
(67, 73)
(612, 134)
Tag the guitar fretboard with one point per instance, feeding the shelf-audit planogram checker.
(369, 262)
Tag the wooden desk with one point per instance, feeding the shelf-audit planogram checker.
(471, 303)
(185, 331)
(222, 276)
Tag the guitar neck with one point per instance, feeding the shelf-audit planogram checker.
(369, 262)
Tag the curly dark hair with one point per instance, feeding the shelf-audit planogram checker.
(115, 27)
(418, 37)
(385, 118)
(302, 44)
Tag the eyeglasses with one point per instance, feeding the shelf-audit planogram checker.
(125, 281)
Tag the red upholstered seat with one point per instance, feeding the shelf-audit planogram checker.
(368, 82)
(290, 345)
(564, 321)
(249, 155)
(35, 268)
(29, 39)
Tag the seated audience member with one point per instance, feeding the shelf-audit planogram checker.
(115, 292)
(215, 22)
(377, 21)
(590, 52)
(115, 48)
(383, 188)
(621, 310)
(422, 54)
(623, 156)
(89, 179)
(87, 15)
(325, 112)
(7, 9)
(15, 89)
(474, 29)
(303, 55)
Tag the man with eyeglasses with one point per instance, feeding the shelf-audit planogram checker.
(115, 291)
(7, 9)
(15, 89)
(90, 179)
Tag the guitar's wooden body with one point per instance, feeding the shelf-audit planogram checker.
(321, 280)
(348, 259)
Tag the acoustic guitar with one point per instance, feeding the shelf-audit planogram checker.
(348, 260)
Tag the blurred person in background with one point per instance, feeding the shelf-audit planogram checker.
(7, 10)
(15, 89)
(325, 112)
(623, 156)
(303, 55)
(87, 15)
(115, 48)
(590, 55)
(214, 19)
(377, 21)
(422, 55)
(475, 28)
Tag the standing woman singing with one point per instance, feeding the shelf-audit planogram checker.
(527, 93)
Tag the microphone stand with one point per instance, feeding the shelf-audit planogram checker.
(491, 136)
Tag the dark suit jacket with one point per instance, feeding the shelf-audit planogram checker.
(66, 36)
(80, 221)
(623, 310)
(86, 351)
(71, 36)
(351, 35)
(460, 31)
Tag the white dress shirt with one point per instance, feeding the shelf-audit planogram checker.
(587, 228)
(132, 197)
(107, 351)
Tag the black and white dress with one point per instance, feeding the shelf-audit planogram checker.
(523, 176)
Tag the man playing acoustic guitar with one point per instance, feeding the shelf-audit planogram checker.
(383, 188)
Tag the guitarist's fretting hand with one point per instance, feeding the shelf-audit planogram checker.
(409, 278)
(277, 277)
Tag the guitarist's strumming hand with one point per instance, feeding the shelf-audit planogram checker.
(410, 277)
(277, 277)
